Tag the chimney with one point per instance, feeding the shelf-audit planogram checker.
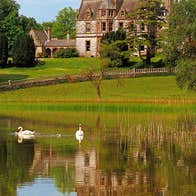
(68, 35)
(49, 33)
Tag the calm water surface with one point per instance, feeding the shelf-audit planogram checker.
(122, 154)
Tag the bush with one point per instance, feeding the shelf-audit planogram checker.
(24, 51)
(66, 53)
(3, 50)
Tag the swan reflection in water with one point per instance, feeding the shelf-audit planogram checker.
(24, 134)
(79, 134)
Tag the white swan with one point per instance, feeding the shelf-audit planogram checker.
(79, 134)
(26, 134)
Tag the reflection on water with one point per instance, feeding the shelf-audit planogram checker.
(129, 157)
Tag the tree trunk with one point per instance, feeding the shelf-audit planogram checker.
(99, 90)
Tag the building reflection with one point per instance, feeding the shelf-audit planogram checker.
(142, 162)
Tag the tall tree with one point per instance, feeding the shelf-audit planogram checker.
(3, 50)
(147, 18)
(11, 23)
(24, 51)
(180, 36)
(180, 43)
(65, 22)
(27, 23)
(114, 47)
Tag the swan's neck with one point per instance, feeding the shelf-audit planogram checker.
(20, 131)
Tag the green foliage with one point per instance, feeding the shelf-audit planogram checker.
(66, 53)
(3, 50)
(147, 14)
(24, 51)
(181, 33)
(11, 23)
(117, 52)
(180, 42)
(186, 74)
(113, 36)
(114, 46)
(65, 22)
(28, 23)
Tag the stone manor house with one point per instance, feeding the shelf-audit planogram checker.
(96, 17)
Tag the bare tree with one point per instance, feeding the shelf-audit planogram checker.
(96, 77)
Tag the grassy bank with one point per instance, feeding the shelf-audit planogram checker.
(49, 67)
(162, 89)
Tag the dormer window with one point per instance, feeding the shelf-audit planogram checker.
(122, 13)
(89, 13)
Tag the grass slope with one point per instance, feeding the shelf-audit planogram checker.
(144, 89)
(49, 67)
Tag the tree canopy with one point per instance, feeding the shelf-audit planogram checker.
(11, 23)
(181, 33)
(147, 20)
(64, 22)
(180, 42)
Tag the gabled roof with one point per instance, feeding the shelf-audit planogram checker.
(95, 5)
(128, 6)
(108, 4)
(88, 4)
(40, 35)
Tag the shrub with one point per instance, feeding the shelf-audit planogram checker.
(24, 51)
(66, 53)
(3, 50)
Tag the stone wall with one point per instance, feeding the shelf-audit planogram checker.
(82, 36)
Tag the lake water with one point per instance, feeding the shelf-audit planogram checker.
(124, 152)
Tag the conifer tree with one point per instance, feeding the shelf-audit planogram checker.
(3, 50)
(24, 51)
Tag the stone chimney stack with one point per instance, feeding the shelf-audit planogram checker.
(49, 33)
(68, 35)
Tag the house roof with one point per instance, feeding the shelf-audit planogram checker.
(40, 35)
(88, 4)
(60, 43)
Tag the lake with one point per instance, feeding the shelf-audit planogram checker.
(127, 150)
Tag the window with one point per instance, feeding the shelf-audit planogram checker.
(103, 12)
(131, 26)
(88, 27)
(142, 27)
(141, 47)
(103, 26)
(121, 25)
(88, 45)
(122, 13)
(110, 26)
(111, 12)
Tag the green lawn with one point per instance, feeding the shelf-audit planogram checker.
(143, 89)
(49, 67)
